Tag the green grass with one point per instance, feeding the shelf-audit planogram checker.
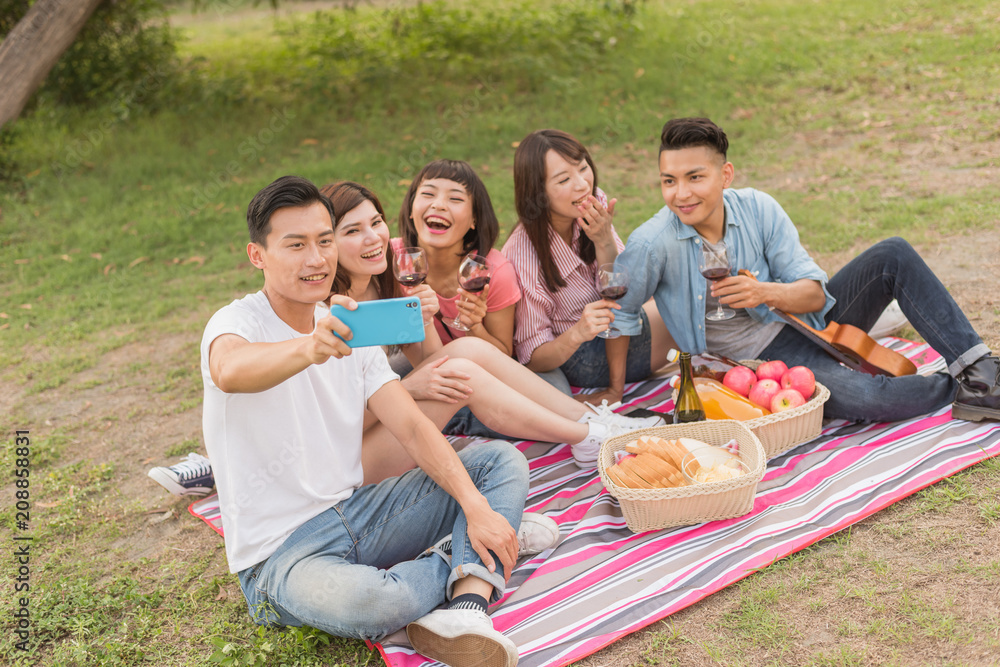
(134, 222)
(124, 226)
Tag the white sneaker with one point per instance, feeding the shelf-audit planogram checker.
(606, 415)
(586, 451)
(889, 322)
(461, 638)
(536, 534)
(191, 477)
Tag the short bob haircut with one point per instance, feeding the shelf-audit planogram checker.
(285, 192)
(532, 202)
(345, 196)
(480, 239)
(681, 133)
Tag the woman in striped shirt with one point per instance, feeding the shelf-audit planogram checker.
(564, 233)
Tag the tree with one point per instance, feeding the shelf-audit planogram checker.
(33, 47)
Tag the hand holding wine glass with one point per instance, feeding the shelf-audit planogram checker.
(410, 266)
(473, 276)
(715, 266)
(612, 283)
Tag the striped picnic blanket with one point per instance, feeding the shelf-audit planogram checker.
(602, 582)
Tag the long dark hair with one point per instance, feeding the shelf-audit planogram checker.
(480, 239)
(345, 196)
(532, 203)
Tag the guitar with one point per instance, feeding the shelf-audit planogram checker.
(850, 345)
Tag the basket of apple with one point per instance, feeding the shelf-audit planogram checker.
(790, 399)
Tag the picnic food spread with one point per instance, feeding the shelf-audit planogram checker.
(657, 463)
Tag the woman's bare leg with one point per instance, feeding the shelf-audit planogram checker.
(513, 374)
(496, 404)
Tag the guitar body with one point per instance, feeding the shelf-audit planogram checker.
(850, 346)
(866, 354)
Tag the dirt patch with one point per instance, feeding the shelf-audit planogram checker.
(968, 265)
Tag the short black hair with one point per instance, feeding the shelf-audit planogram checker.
(681, 133)
(285, 192)
(480, 239)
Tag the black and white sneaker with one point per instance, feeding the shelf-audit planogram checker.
(191, 477)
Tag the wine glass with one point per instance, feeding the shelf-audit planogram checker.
(612, 283)
(410, 266)
(473, 276)
(715, 266)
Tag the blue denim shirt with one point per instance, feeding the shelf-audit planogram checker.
(662, 258)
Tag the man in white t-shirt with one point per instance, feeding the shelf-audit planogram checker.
(283, 413)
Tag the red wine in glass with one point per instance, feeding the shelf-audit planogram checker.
(715, 274)
(612, 283)
(411, 279)
(477, 284)
(473, 276)
(613, 292)
(714, 265)
(410, 266)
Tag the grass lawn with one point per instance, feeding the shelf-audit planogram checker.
(123, 231)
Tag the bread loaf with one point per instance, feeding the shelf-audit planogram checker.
(656, 464)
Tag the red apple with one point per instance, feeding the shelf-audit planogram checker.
(786, 399)
(801, 379)
(771, 370)
(740, 379)
(763, 391)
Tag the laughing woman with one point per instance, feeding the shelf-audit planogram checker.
(564, 233)
(467, 372)
(448, 213)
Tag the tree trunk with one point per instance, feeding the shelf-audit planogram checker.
(33, 47)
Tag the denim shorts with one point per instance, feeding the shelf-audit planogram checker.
(588, 367)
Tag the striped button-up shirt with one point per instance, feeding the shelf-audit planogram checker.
(541, 315)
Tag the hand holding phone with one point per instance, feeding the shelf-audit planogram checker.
(382, 322)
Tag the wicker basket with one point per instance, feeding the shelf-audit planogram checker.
(780, 431)
(652, 509)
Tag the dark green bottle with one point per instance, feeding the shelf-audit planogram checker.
(688, 407)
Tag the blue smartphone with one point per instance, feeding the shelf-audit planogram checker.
(383, 322)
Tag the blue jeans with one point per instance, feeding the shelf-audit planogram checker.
(588, 367)
(889, 270)
(360, 569)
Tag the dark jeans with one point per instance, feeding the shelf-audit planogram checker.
(889, 270)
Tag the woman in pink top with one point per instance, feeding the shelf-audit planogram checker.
(447, 212)
(564, 233)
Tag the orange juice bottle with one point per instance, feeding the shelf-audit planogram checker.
(721, 402)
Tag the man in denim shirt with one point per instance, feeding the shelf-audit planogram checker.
(663, 255)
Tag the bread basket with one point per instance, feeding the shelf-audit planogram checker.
(652, 509)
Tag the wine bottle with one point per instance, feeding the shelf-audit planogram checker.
(688, 407)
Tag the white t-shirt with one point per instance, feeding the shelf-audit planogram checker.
(284, 455)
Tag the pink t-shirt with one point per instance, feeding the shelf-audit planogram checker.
(504, 292)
